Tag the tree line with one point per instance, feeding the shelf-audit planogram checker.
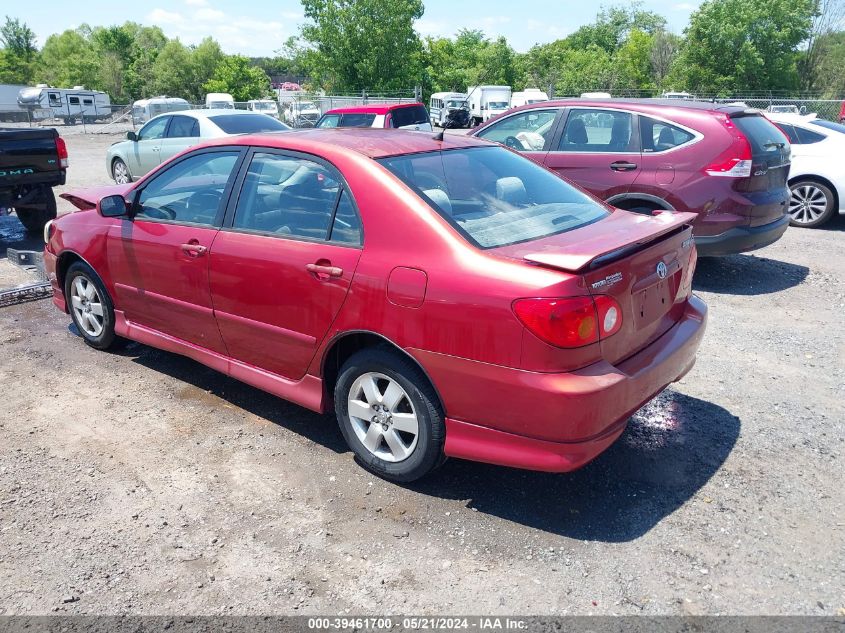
(728, 47)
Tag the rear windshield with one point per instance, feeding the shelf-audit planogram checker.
(409, 116)
(761, 133)
(495, 197)
(829, 125)
(247, 123)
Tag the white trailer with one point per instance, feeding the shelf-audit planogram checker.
(486, 102)
(10, 109)
(69, 104)
(145, 109)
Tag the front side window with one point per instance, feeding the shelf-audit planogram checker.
(357, 119)
(183, 127)
(329, 120)
(659, 136)
(190, 191)
(598, 131)
(154, 129)
(294, 197)
(494, 197)
(528, 131)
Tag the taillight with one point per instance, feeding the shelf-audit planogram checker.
(61, 150)
(570, 322)
(736, 161)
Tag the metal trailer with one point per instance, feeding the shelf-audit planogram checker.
(69, 104)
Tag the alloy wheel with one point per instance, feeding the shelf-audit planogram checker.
(120, 173)
(807, 203)
(87, 306)
(383, 417)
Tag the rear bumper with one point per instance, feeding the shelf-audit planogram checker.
(741, 239)
(557, 422)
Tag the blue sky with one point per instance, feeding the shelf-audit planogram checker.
(258, 27)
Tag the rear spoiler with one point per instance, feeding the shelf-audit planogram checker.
(88, 198)
(619, 241)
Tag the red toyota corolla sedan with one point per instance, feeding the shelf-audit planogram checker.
(445, 297)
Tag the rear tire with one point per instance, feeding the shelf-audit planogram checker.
(90, 306)
(390, 415)
(34, 218)
(811, 204)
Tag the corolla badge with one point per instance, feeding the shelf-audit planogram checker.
(608, 281)
(661, 270)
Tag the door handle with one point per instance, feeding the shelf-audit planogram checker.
(193, 249)
(621, 165)
(322, 272)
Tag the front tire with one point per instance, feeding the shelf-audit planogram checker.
(120, 172)
(811, 204)
(390, 415)
(90, 306)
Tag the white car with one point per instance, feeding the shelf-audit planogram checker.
(817, 174)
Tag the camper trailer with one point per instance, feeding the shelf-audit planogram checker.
(485, 102)
(219, 100)
(68, 104)
(145, 109)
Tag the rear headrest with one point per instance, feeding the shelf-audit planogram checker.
(511, 190)
(439, 197)
(577, 132)
(666, 137)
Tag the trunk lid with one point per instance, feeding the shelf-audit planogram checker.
(88, 198)
(766, 187)
(643, 262)
(26, 152)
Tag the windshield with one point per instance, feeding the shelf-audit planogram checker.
(761, 133)
(265, 105)
(220, 104)
(497, 105)
(247, 123)
(829, 125)
(493, 196)
(455, 104)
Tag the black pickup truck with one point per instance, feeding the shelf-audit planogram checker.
(32, 162)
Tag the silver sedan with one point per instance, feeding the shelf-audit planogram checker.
(168, 134)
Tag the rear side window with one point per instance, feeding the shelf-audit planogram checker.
(598, 131)
(247, 123)
(357, 120)
(659, 136)
(790, 132)
(493, 196)
(764, 137)
(809, 137)
(415, 115)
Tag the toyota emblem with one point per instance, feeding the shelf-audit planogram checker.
(661, 270)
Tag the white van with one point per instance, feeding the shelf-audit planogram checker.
(527, 97)
(219, 100)
(485, 102)
(145, 109)
(302, 114)
(264, 106)
(442, 104)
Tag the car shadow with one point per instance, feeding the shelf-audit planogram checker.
(13, 235)
(836, 223)
(746, 275)
(671, 448)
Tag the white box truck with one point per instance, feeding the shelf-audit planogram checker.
(527, 97)
(222, 100)
(486, 102)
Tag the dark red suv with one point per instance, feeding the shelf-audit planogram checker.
(727, 164)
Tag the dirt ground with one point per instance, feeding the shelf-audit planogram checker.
(141, 482)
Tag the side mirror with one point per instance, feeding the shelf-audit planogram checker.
(131, 136)
(113, 207)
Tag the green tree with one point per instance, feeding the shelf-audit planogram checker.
(205, 58)
(613, 26)
(664, 53)
(633, 61)
(469, 59)
(18, 52)
(745, 45)
(363, 44)
(235, 75)
(68, 59)
(114, 47)
(172, 71)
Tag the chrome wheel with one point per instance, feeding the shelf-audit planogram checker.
(120, 172)
(87, 306)
(383, 417)
(808, 203)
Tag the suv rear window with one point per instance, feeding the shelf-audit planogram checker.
(247, 123)
(493, 196)
(414, 115)
(761, 133)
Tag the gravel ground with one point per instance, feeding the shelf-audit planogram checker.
(141, 482)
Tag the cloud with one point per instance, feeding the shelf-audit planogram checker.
(208, 14)
(196, 3)
(684, 6)
(162, 16)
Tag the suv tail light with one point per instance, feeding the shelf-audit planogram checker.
(736, 161)
(570, 322)
(61, 150)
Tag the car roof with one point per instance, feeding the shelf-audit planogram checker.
(644, 104)
(374, 143)
(205, 113)
(378, 108)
